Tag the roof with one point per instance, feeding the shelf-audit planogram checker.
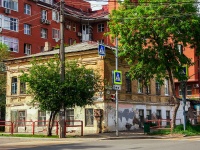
(79, 47)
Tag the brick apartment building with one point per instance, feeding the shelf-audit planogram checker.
(26, 25)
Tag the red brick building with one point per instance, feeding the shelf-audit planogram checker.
(26, 25)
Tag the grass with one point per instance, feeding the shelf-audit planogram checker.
(191, 130)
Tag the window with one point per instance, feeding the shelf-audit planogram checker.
(128, 83)
(157, 88)
(27, 29)
(27, 49)
(47, 1)
(55, 15)
(12, 43)
(89, 118)
(21, 118)
(166, 84)
(70, 116)
(100, 27)
(10, 23)
(22, 87)
(55, 33)
(70, 41)
(148, 89)
(74, 27)
(141, 116)
(168, 117)
(42, 48)
(41, 118)
(27, 9)
(158, 114)
(140, 86)
(148, 115)
(14, 85)
(11, 4)
(44, 14)
(101, 41)
(189, 89)
(44, 33)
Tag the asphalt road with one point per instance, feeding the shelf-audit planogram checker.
(99, 144)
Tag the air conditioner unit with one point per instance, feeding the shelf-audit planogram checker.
(79, 34)
(47, 22)
(44, 21)
(196, 85)
(68, 27)
(7, 11)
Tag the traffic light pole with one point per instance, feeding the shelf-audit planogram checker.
(116, 93)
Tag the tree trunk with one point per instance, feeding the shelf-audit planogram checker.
(177, 104)
(51, 122)
(175, 100)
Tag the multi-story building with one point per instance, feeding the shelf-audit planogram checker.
(26, 25)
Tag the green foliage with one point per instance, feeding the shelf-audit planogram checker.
(50, 92)
(149, 33)
(190, 129)
(4, 54)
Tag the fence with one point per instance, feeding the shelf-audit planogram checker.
(34, 127)
(160, 123)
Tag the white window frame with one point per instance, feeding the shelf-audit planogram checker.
(140, 86)
(70, 116)
(100, 27)
(55, 16)
(41, 118)
(27, 9)
(166, 84)
(89, 117)
(27, 29)
(44, 33)
(10, 4)
(12, 43)
(21, 118)
(55, 33)
(10, 23)
(13, 85)
(27, 49)
(44, 14)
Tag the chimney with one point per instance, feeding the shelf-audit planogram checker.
(47, 46)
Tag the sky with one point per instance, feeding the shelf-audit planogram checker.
(96, 5)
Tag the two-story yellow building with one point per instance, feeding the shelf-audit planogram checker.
(136, 103)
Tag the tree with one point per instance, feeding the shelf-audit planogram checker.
(49, 92)
(149, 33)
(4, 54)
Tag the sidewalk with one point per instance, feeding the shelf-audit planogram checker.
(132, 134)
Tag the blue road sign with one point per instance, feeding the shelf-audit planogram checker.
(101, 50)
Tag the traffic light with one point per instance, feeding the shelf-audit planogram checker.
(112, 96)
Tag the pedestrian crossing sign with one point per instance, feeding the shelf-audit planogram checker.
(117, 77)
(101, 50)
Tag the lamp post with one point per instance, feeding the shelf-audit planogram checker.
(62, 70)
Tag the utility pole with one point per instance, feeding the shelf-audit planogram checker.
(183, 90)
(62, 69)
(116, 92)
